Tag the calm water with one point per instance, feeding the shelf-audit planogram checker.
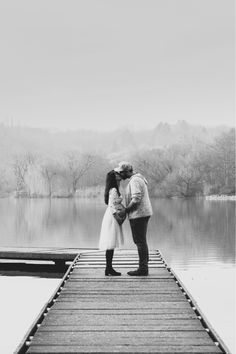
(196, 237)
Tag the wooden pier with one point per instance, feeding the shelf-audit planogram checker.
(57, 255)
(91, 313)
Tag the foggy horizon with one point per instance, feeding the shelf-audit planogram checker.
(102, 65)
(101, 129)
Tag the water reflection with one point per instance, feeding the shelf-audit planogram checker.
(190, 230)
(196, 237)
(185, 230)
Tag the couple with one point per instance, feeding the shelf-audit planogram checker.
(138, 209)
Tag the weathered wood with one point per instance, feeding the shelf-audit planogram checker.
(79, 319)
(132, 312)
(157, 271)
(131, 266)
(37, 253)
(98, 314)
(120, 253)
(165, 325)
(109, 305)
(117, 261)
(109, 291)
(125, 287)
(132, 283)
(123, 349)
(121, 338)
(109, 281)
(121, 298)
(153, 271)
(96, 274)
(191, 326)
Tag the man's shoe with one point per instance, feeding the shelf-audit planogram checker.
(138, 272)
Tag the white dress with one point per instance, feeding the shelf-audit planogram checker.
(111, 235)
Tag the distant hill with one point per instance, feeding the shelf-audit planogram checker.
(111, 144)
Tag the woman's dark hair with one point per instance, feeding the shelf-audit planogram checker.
(111, 182)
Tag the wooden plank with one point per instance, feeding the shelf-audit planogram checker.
(95, 272)
(122, 298)
(45, 249)
(111, 291)
(131, 312)
(131, 266)
(96, 253)
(75, 292)
(123, 349)
(153, 272)
(191, 326)
(118, 261)
(106, 305)
(36, 253)
(119, 258)
(156, 271)
(122, 338)
(119, 286)
(125, 280)
(140, 325)
(38, 256)
(56, 318)
(110, 282)
(119, 255)
(149, 280)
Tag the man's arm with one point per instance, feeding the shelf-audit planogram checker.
(135, 195)
(132, 205)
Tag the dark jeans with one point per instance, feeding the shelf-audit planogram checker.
(139, 232)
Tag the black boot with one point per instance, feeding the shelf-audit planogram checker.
(143, 261)
(109, 270)
(138, 272)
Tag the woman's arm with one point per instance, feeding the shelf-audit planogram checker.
(113, 196)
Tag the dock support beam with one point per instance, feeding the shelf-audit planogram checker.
(60, 263)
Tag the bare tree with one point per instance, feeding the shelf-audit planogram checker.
(154, 164)
(225, 156)
(21, 164)
(49, 170)
(188, 181)
(77, 165)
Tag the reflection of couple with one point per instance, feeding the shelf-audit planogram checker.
(138, 209)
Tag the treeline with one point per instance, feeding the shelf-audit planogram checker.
(31, 175)
(187, 170)
(183, 170)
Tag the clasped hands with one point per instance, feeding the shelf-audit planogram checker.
(120, 215)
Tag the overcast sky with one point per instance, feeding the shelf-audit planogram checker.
(103, 64)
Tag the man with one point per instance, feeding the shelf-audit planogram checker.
(139, 210)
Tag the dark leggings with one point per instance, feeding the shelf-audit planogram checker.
(139, 233)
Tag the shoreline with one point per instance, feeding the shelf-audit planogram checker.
(99, 196)
(220, 197)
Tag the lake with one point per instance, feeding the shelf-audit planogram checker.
(195, 236)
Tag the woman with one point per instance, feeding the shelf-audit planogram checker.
(111, 235)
